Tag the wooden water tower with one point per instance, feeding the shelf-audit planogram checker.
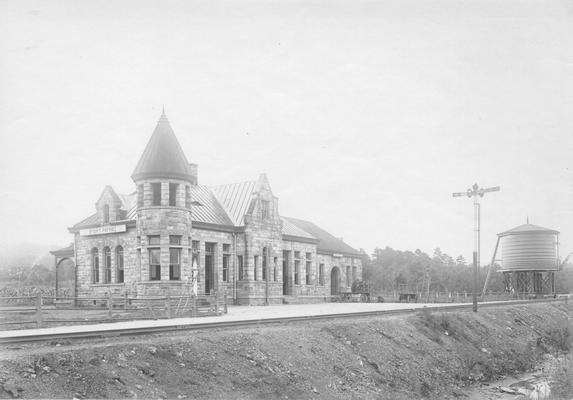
(529, 259)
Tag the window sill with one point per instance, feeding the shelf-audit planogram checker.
(107, 284)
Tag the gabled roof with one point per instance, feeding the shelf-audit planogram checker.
(205, 207)
(235, 198)
(290, 229)
(527, 228)
(163, 156)
(326, 242)
(127, 208)
(109, 189)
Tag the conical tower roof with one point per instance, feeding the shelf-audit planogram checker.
(163, 156)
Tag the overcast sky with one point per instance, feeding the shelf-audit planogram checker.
(365, 115)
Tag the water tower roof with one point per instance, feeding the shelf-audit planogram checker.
(163, 156)
(528, 228)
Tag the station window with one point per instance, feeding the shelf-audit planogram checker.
(107, 265)
(173, 194)
(353, 274)
(265, 266)
(174, 264)
(296, 272)
(153, 240)
(226, 258)
(175, 239)
(156, 190)
(95, 265)
(307, 272)
(240, 267)
(154, 265)
(119, 264)
(348, 283)
(297, 267)
(256, 267)
(321, 274)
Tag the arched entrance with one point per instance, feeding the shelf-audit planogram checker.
(334, 281)
(65, 277)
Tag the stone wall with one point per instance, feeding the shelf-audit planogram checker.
(84, 246)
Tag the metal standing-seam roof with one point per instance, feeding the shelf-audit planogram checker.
(235, 199)
(291, 229)
(205, 207)
(326, 241)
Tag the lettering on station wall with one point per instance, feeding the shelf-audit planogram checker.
(336, 255)
(102, 230)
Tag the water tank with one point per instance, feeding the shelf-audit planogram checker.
(530, 248)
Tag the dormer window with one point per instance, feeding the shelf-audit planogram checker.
(106, 214)
(265, 209)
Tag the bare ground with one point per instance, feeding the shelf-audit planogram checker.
(427, 355)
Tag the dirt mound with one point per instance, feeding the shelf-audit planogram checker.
(427, 355)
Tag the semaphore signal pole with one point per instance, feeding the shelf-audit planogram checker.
(476, 192)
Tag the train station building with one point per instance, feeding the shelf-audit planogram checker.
(173, 233)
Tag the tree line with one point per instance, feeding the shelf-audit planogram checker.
(389, 270)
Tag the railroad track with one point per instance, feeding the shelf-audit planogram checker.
(32, 336)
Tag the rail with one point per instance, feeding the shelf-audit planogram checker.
(29, 336)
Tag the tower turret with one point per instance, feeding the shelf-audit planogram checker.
(163, 177)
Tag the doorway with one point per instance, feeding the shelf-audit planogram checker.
(334, 281)
(209, 267)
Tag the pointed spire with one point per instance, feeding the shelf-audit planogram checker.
(163, 156)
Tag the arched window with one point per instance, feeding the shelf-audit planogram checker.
(95, 265)
(119, 264)
(107, 265)
(106, 213)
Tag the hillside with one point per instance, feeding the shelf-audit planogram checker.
(433, 356)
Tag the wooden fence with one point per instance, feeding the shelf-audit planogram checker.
(41, 311)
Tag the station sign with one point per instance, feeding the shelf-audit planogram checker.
(336, 255)
(103, 230)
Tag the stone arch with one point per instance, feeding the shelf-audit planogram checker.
(65, 277)
(334, 281)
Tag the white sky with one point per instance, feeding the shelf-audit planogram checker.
(365, 115)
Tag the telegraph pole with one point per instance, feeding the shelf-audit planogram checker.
(476, 192)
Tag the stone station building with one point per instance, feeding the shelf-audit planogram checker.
(229, 239)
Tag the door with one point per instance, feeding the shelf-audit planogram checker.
(209, 267)
(334, 281)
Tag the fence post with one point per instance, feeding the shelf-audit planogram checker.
(109, 305)
(194, 305)
(216, 303)
(38, 310)
(168, 304)
(125, 301)
(225, 304)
